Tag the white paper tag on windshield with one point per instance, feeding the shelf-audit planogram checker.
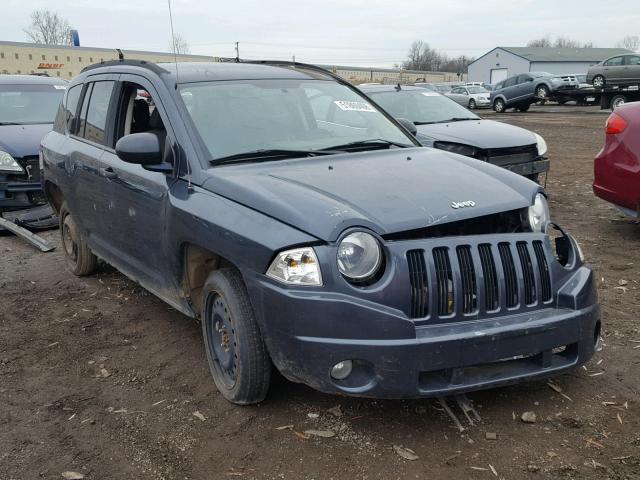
(354, 106)
(60, 87)
(430, 94)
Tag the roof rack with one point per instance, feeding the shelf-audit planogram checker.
(154, 67)
(307, 66)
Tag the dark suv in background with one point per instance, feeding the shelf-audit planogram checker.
(520, 91)
(28, 106)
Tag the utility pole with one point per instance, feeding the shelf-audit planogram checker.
(237, 51)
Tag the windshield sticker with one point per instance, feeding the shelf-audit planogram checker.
(60, 87)
(430, 94)
(354, 106)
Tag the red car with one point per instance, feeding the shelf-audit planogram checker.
(617, 166)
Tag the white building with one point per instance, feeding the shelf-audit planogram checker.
(502, 62)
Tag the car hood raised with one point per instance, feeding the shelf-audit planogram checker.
(386, 191)
(477, 133)
(22, 140)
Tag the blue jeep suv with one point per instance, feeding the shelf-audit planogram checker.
(306, 228)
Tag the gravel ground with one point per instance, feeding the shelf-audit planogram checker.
(101, 378)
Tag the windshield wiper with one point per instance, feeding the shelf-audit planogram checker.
(2, 124)
(372, 143)
(265, 155)
(448, 120)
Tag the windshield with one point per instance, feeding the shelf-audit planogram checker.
(581, 78)
(422, 107)
(29, 104)
(477, 90)
(234, 117)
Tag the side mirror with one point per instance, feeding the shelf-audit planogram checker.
(140, 148)
(409, 125)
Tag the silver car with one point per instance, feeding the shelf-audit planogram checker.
(618, 70)
(470, 96)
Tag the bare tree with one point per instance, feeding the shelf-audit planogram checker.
(179, 45)
(560, 42)
(630, 42)
(49, 28)
(422, 57)
(544, 42)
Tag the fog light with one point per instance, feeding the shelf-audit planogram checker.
(342, 370)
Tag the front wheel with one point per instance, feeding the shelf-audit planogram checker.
(542, 92)
(77, 255)
(472, 104)
(499, 105)
(236, 353)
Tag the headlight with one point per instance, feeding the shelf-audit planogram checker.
(359, 256)
(8, 163)
(296, 267)
(539, 213)
(541, 144)
(466, 150)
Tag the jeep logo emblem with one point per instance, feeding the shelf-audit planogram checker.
(465, 204)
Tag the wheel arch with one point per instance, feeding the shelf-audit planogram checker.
(54, 195)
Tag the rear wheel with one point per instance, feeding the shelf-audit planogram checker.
(598, 81)
(499, 106)
(472, 104)
(77, 255)
(617, 101)
(236, 353)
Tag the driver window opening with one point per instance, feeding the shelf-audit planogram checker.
(139, 114)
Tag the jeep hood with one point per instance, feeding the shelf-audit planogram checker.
(386, 191)
(482, 134)
(22, 140)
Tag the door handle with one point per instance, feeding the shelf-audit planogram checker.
(108, 173)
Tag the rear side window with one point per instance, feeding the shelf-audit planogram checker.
(633, 60)
(71, 107)
(523, 78)
(96, 117)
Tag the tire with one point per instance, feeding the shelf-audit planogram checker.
(237, 356)
(523, 108)
(598, 81)
(562, 102)
(542, 92)
(617, 101)
(472, 104)
(79, 259)
(499, 106)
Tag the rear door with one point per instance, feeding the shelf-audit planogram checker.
(509, 89)
(88, 198)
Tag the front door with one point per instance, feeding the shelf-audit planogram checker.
(139, 197)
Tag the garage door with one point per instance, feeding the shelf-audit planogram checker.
(497, 75)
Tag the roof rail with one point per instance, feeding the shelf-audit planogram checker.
(154, 67)
(307, 66)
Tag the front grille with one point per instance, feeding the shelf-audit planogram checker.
(483, 278)
(511, 155)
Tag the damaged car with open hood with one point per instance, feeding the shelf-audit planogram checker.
(306, 229)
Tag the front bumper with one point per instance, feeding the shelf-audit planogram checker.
(307, 332)
(17, 194)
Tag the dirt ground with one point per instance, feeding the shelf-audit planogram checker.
(101, 378)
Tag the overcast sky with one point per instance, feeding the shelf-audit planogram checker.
(347, 32)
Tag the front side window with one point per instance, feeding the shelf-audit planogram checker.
(478, 90)
(29, 104)
(96, 119)
(242, 116)
(510, 82)
(422, 107)
(614, 62)
(633, 60)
